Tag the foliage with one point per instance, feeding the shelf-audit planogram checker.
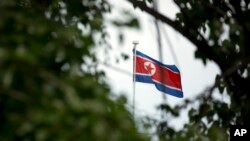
(220, 30)
(45, 94)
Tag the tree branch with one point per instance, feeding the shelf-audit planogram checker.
(200, 44)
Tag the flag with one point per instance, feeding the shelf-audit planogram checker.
(166, 78)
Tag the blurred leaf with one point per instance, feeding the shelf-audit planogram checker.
(121, 38)
(45, 92)
(125, 56)
(132, 22)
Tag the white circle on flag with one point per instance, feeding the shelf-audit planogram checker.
(150, 67)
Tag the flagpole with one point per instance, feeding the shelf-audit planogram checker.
(155, 6)
(134, 70)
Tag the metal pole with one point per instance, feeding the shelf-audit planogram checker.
(171, 47)
(134, 71)
(155, 6)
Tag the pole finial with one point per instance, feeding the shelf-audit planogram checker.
(135, 42)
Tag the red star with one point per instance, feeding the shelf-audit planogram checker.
(149, 68)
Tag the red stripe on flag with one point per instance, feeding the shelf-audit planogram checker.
(162, 73)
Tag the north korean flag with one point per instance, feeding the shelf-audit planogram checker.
(166, 78)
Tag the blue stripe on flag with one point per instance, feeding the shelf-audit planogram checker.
(143, 78)
(168, 90)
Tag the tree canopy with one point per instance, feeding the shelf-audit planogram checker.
(45, 92)
(219, 29)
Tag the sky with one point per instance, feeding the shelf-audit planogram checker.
(195, 76)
